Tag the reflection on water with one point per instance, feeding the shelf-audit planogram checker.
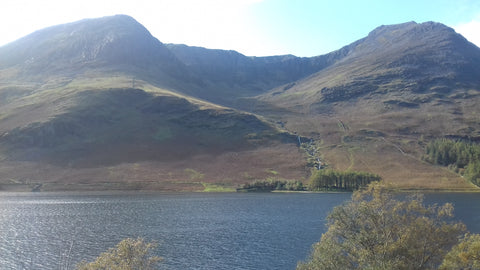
(467, 207)
(195, 231)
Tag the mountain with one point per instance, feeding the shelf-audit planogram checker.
(234, 75)
(117, 43)
(102, 104)
(419, 58)
(394, 90)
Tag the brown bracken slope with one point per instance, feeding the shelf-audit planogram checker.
(102, 104)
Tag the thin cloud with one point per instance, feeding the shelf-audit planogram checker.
(470, 30)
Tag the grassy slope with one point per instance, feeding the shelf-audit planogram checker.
(99, 133)
(366, 136)
(375, 108)
(369, 114)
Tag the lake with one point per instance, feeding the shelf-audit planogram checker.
(193, 230)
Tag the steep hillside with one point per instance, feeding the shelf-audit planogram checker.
(417, 60)
(142, 138)
(114, 44)
(234, 75)
(100, 104)
(395, 89)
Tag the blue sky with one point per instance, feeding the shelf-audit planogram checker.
(251, 27)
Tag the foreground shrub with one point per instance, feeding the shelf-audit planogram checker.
(465, 255)
(129, 254)
(376, 231)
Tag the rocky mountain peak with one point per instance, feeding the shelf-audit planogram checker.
(119, 41)
(103, 95)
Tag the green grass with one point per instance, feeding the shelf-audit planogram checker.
(209, 187)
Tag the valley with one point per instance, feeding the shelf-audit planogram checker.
(101, 104)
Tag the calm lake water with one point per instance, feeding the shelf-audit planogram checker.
(194, 230)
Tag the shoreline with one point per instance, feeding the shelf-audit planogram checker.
(181, 188)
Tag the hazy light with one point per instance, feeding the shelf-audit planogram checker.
(252, 27)
(470, 30)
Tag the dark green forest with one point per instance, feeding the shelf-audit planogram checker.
(271, 184)
(336, 180)
(461, 156)
(321, 180)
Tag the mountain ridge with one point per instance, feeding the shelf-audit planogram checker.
(403, 55)
(103, 100)
(67, 50)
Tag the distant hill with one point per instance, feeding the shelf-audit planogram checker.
(421, 59)
(234, 75)
(395, 89)
(102, 104)
(117, 44)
